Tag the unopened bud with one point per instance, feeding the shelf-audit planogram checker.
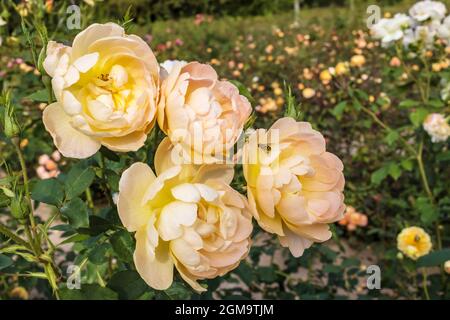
(19, 207)
(10, 125)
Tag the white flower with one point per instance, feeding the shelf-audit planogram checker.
(437, 127)
(390, 30)
(445, 92)
(424, 34)
(427, 9)
(444, 29)
(2, 22)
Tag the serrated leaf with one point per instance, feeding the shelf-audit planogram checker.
(407, 164)
(97, 255)
(77, 213)
(39, 96)
(443, 156)
(418, 116)
(379, 175)
(78, 180)
(428, 212)
(436, 103)
(434, 258)
(49, 191)
(409, 104)
(76, 238)
(123, 245)
(5, 261)
(395, 171)
(128, 284)
(391, 137)
(339, 109)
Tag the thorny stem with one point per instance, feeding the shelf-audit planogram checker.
(31, 234)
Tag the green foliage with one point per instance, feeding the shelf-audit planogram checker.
(77, 212)
(48, 191)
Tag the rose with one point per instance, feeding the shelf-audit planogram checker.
(391, 30)
(358, 61)
(425, 10)
(414, 242)
(187, 217)
(437, 127)
(198, 112)
(106, 88)
(294, 186)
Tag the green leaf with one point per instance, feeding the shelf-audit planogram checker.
(5, 261)
(378, 176)
(110, 155)
(418, 116)
(357, 105)
(39, 96)
(76, 238)
(88, 292)
(395, 171)
(407, 164)
(434, 258)
(123, 245)
(128, 284)
(7, 192)
(391, 137)
(178, 292)
(246, 273)
(443, 156)
(436, 103)
(267, 274)
(409, 104)
(329, 268)
(98, 254)
(339, 109)
(78, 180)
(428, 212)
(49, 191)
(243, 91)
(97, 225)
(77, 213)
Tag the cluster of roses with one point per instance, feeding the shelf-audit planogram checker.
(110, 91)
(425, 24)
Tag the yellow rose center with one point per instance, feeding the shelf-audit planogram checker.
(108, 92)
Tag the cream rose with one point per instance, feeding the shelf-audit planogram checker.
(295, 188)
(187, 217)
(198, 112)
(106, 87)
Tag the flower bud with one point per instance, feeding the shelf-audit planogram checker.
(19, 207)
(10, 124)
